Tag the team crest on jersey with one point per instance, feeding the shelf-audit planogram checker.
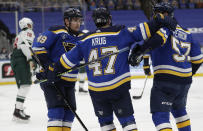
(180, 34)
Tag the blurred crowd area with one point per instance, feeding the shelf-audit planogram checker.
(58, 5)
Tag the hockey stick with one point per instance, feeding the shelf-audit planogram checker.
(140, 96)
(85, 64)
(67, 103)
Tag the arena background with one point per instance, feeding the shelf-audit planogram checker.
(189, 15)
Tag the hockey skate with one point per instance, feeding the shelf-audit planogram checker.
(20, 116)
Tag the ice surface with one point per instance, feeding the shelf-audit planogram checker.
(36, 107)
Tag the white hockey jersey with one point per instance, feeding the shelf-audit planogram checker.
(23, 41)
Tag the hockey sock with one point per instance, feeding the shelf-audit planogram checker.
(21, 95)
(55, 121)
(106, 123)
(66, 129)
(54, 129)
(182, 119)
(161, 121)
(128, 123)
(68, 120)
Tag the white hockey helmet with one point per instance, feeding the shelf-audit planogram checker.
(24, 22)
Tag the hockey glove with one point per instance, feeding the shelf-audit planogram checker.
(54, 71)
(41, 75)
(165, 21)
(136, 56)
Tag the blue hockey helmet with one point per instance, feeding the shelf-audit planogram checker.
(164, 7)
(101, 16)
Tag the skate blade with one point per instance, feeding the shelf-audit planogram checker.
(18, 120)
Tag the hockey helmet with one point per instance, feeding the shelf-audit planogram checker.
(164, 7)
(24, 22)
(101, 16)
(72, 12)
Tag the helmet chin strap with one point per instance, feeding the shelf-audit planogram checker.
(70, 31)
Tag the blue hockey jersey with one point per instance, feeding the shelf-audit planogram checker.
(172, 61)
(112, 71)
(54, 42)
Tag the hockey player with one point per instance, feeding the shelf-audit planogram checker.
(109, 79)
(175, 60)
(49, 46)
(22, 65)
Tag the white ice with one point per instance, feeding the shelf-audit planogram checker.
(36, 107)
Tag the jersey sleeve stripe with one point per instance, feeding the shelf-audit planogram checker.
(197, 57)
(66, 60)
(143, 31)
(147, 30)
(198, 61)
(162, 35)
(64, 63)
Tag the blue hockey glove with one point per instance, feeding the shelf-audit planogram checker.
(165, 21)
(52, 73)
(136, 56)
(41, 75)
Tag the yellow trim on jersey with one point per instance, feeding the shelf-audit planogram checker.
(66, 129)
(173, 73)
(162, 16)
(68, 79)
(110, 87)
(51, 68)
(40, 52)
(182, 29)
(54, 129)
(100, 33)
(147, 30)
(64, 63)
(183, 124)
(198, 61)
(145, 56)
(162, 35)
(134, 130)
(166, 130)
(145, 67)
(59, 31)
